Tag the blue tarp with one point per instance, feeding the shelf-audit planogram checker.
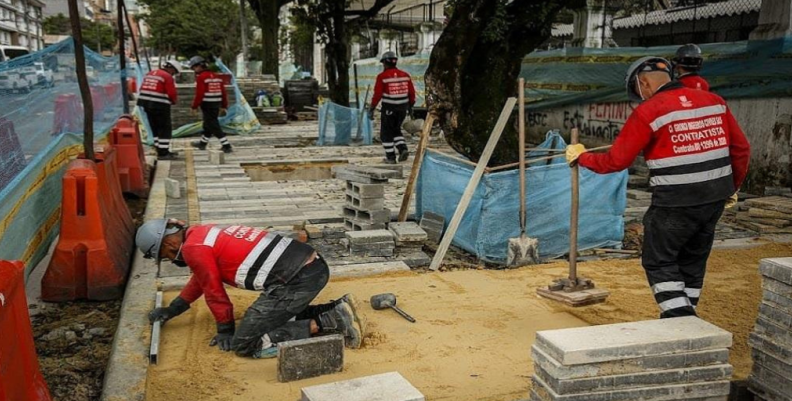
(493, 215)
(339, 125)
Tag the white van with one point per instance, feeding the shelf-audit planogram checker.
(12, 52)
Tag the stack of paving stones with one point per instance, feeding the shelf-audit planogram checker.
(767, 215)
(671, 359)
(771, 340)
(365, 196)
(410, 239)
(433, 225)
(370, 243)
(181, 113)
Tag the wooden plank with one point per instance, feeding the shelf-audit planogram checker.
(445, 243)
(416, 167)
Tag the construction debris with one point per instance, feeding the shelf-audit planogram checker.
(768, 215)
(771, 340)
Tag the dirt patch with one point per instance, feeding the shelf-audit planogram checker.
(73, 342)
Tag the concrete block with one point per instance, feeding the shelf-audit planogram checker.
(776, 381)
(777, 316)
(407, 232)
(314, 232)
(372, 172)
(613, 342)
(433, 224)
(371, 236)
(636, 380)
(366, 191)
(536, 397)
(657, 393)
(765, 391)
(363, 203)
(767, 345)
(350, 177)
(777, 287)
(768, 329)
(310, 357)
(172, 188)
(375, 253)
(771, 362)
(373, 246)
(354, 225)
(368, 269)
(779, 301)
(779, 269)
(333, 232)
(628, 366)
(383, 387)
(216, 157)
(415, 258)
(369, 216)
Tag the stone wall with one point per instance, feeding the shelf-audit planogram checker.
(767, 124)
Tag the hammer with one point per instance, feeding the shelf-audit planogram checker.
(384, 301)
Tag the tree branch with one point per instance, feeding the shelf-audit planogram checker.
(371, 12)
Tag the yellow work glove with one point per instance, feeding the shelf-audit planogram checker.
(573, 152)
(731, 201)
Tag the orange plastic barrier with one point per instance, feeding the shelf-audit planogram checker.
(12, 160)
(20, 375)
(125, 137)
(93, 254)
(131, 85)
(68, 114)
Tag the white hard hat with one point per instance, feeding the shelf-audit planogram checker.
(174, 64)
(149, 237)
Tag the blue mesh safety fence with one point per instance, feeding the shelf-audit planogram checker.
(339, 125)
(41, 125)
(493, 215)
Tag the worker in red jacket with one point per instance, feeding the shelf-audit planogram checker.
(687, 64)
(289, 274)
(210, 96)
(395, 88)
(157, 94)
(697, 157)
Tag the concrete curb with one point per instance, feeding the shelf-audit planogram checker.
(125, 378)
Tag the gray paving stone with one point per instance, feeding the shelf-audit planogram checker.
(371, 236)
(363, 203)
(764, 344)
(536, 397)
(764, 390)
(779, 269)
(415, 258)
(628, 366)
(778, 383)
(383, 387)
(636, 380)
(216, 157)
(311, 357)
(371, 246)
(784, 290)
(350, 176)
(172, 188)
(768, 329)
(367, 269)
(779, 301)
(407, 232)
(612, 342)
(366, 191)
(775, 315)
(657, 393)
(371, 172)
(772, 363)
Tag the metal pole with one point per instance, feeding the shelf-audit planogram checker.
(357, 90)
(122, 56)
(573, 221)
(243, 26)
(82, 80)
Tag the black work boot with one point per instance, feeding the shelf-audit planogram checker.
(227, 149)
(388, 160)
(404, 153)
(201, 145)
(342, 320)
(167, 156)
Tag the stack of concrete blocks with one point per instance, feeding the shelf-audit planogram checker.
(408, 235)
(365, 196)
(370, 243)
(671, 359)
(433, 224)
(771, 340)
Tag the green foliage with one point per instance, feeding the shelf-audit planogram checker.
(498, 25)
(319, 14)
(190, 27)
(94, 33)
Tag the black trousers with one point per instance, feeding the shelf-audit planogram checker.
(390, 131)
(272, 312)
(161, 129)
(677, 244)
(211, 124)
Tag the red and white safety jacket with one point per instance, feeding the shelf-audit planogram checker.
(209, 89)
(243, 257)
(395, 88)
(693, 81)
(158, 90)
(695, 150)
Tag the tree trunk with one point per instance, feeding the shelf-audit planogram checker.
(337, 51)
(82, 80)
(267, 14)
(474, 68)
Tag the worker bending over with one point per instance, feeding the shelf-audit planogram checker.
(698, 158)
(395, 88)
(289, 274)
(157, 94)
(211, 97)
(687, 64)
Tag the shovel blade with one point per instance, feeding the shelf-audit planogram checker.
(523, 251)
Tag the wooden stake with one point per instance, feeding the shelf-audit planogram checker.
(416, 167)
(445, 243)
(573, 222)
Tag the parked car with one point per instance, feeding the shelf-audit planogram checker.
(29, 78)
(13, 82)
(12, 52)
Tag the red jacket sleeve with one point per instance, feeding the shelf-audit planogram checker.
(379, 87)
(170, 87)
(201, 260)
(632, 139)
(739, 150)
(411, 89)
(200, 87)
(192, 291)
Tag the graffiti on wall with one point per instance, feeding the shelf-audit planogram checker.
(602, 121)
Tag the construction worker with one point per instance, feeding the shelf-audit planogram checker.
(698, 158)
(395, 88)
(687, 64)
(210, 96)
(289, 274)
(157, 94)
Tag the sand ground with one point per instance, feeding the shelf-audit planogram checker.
(474, 331)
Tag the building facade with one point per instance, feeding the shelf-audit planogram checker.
(20, 24)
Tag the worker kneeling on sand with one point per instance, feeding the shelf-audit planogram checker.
(288, 273)
(697, 157)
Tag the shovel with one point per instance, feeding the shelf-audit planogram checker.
(523, 250)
